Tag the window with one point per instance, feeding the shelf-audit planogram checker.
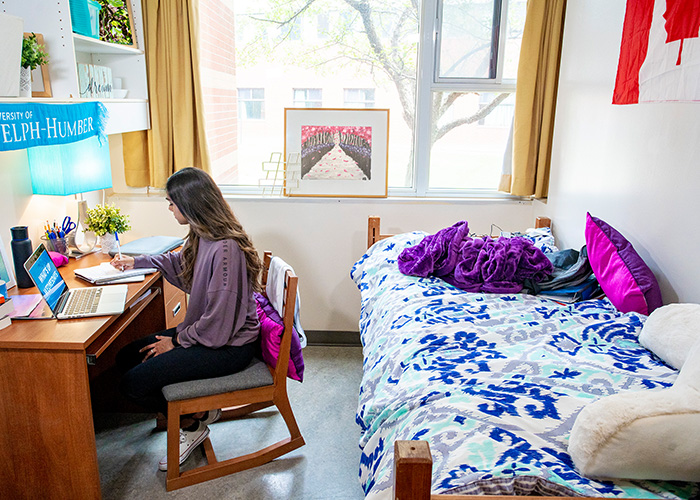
(251, 104)
(466, 104)
(359, 98)
(450, 96)
(307, 98)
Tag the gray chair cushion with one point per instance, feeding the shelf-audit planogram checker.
(256, 375)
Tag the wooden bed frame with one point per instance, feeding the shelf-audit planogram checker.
(413, 463)
(374, 234)
(413, 467)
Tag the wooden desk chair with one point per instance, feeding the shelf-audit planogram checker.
(258, 386)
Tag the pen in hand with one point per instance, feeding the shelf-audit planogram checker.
(119, 248)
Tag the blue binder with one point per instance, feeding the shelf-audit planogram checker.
(151, 245)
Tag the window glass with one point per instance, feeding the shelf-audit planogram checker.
(359, 98)
(251, 104)
(269, 55)
(307, 98)
(468, 38)
(514, 38)
(470, 156)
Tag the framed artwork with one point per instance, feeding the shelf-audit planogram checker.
(6, 273)
(116, 25)
(342, 152)
(41, 83)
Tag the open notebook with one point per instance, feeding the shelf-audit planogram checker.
(107, 273)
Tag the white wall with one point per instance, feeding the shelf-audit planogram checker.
(322, 238)
(634, 166)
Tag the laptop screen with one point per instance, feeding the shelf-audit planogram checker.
(46, 276)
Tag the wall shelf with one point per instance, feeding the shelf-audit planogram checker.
(94, 46)
(66, 49)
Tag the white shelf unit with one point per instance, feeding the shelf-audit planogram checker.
(66, 49)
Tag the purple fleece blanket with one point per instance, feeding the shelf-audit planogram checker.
(476, 264)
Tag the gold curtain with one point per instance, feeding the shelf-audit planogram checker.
(535, 99)
(177, 137)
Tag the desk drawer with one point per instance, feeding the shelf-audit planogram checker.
(175, 305)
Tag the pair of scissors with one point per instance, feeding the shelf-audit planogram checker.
(68, 225)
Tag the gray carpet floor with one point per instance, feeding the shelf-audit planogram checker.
(129, 448)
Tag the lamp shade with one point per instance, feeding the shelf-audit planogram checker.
(64, 169)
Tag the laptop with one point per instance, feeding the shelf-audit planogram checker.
(76, 303)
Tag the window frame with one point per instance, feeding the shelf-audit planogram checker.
(427, 82)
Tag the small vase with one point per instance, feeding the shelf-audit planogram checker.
(81, 240)
(108, 242)
(25, 82)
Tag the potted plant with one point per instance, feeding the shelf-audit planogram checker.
(105, 221)
(33, 56)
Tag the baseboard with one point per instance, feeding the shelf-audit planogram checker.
(334, 338)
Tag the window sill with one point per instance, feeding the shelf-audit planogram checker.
(453, 198)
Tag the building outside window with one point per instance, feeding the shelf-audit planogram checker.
(450, 96)
(251, 104)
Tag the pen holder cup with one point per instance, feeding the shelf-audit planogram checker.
(56, 245)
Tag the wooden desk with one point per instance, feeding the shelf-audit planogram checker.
(47, 436)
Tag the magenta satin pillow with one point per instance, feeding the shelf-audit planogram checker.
(271, 329)
(624, 277)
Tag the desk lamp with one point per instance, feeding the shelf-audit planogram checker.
(74, 168)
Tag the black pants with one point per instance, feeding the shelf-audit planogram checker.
(143, 382)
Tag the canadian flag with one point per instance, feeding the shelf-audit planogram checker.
(660, 52)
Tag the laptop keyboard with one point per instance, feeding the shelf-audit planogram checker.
(83, 301)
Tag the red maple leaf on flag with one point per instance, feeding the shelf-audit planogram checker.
(682, 21)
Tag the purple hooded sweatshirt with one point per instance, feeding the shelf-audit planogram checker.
(221, 309)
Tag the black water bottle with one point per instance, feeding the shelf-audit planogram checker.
(21, 250)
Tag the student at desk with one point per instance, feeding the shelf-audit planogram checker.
(219, 267)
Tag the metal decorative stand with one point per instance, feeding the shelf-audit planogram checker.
(280, 177)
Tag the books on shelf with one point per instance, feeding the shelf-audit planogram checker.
(94, 81)
(107, 274)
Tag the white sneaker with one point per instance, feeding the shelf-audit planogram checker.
(189, 440)
(212, 416)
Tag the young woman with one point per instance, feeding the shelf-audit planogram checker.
(219, 267)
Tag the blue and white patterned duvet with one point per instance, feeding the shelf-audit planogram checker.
(492, 382)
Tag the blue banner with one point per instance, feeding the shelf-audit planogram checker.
(26, 124)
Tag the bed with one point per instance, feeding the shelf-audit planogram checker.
(493, 382)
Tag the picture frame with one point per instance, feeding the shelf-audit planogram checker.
(6, 267)
(41, 81)
(343, 152)
(116, 24)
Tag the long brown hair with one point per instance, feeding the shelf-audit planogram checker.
(202, 204)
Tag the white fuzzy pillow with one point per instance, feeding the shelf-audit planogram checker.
(643, 435)
(670, 331)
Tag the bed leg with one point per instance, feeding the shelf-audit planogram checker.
(413, 468)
